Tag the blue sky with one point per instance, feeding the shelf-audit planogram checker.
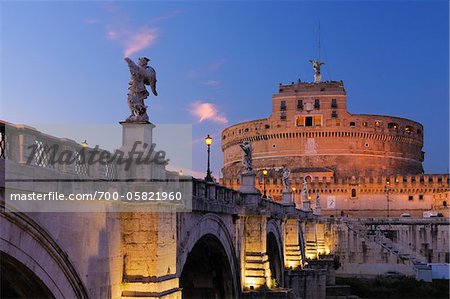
(62, 62)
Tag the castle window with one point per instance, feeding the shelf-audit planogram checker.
(421, 197)
(408, 129)
(352, 124)
(283, 115)
(299, 104)
(333, 103)
(410, 197)
(444, 203)
(317, 120)
(267, 126)
(353, 192)
(377, 123)
(364, 124)
(283, 106)
(316, 104)
(308, 121)
(393, 126)
(334, 114)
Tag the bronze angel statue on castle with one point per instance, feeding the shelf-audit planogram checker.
(141, 75)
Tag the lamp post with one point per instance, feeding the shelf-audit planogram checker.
(265, 172)
(208, 141)
(387, 189)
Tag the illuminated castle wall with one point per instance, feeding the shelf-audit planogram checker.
(311, 131)
(352, 157)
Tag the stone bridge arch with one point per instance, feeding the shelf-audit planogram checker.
(28, 248)
(210, 235)
(275, 250)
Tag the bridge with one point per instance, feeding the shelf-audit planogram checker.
(229, 244)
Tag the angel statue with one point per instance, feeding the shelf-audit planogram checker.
(285, 173)
(317, 200)
(141, 75)
(316, 65)
(247, 156)
(305, 190)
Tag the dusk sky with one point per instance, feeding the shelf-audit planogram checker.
(218, 63)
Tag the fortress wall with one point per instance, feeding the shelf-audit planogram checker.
(310, 127)
(346, 152)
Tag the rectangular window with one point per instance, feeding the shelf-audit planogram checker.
(352, 124)
(333, 103)
(283, 115)
(421, 197)
(317, 120)
(299, 104)
(410, 197)
(308, 121)
(283, 106)
(316, 104)
(334, 114)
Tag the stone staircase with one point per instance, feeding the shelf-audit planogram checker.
(403, 252)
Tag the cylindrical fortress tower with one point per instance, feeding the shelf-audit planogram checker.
(311, 132)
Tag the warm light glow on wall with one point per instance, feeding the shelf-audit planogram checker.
(292, 264)
(251, 282)
(310, 256)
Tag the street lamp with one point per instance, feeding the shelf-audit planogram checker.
(265, 172)
(293, 195)
(208, 141)
(387, 189)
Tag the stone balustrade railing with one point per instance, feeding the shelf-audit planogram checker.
(26, 145)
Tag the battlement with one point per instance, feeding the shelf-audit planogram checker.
(313, 87)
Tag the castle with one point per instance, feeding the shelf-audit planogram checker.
(359, 163)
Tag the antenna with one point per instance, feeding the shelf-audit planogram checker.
(319, 43)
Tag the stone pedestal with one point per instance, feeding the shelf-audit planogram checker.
(132, 132)
(306, 206)
(317, 78)
(248, 183)
(317, 210)
(149, 238)
(287, 198)
(137, 143)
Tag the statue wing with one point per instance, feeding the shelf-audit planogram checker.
(153, 87)
(151, 79)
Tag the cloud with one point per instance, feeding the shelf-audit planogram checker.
(133, 38)
(168, 15)
(139, 41)
(207, 111)
(132, 41)
(212, 83)
(217, 65)
(210, 68)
